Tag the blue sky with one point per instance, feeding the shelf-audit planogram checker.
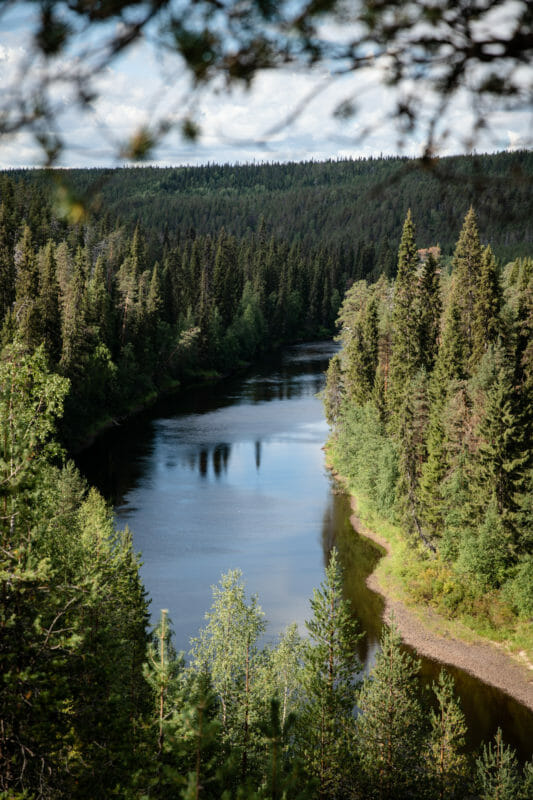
(238, 126)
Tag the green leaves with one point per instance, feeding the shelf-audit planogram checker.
(390, 725)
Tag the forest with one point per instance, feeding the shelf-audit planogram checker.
(435, 381)
(172, 277)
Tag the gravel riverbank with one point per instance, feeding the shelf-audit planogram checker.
(488, 662)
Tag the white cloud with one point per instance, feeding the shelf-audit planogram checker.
(144, 86)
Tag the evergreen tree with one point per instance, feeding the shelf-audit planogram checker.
(504, 454)
(48, 303)
(389, 727)
(497, 772)
(429, 309)
(330, 681)
(447, 767)
(333, 391)
(7, 267)
(486, 324)
(26, 291)
(405, 356)
(467, 267)
(73, 319)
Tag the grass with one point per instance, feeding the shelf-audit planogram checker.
(410, 574)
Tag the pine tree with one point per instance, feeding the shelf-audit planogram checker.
(497, 772)
(389, 727)
(447, 764)
(330, 681)
(284, 774)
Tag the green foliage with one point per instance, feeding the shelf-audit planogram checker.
(227, 650)
(390, 725)
(443, 440)
(333, 391)
(73, 609)
(519, 587)
(448, 766)
(405, 358)
(366, 455)
(498, 775)
(330, 683)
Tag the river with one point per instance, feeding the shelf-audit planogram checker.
(232, 476)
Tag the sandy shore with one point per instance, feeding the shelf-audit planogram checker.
(488, 662)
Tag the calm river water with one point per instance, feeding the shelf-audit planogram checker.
(233, 475)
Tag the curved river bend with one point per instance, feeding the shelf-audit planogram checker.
(233, 475)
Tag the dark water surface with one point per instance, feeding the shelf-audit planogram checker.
(233, 475)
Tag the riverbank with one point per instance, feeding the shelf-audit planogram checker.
(434, 636)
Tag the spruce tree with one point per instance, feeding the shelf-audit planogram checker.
(504, 453)
(73, 319)
(48, 303)
(7, 268)
(405, 355)
(26, 291)
(429, 309)
(486, 323)
(467, 268)
(333, 390)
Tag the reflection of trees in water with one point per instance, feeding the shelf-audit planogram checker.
(358, 558)
(287, 383)
(203, 461)
(218, 455)
(258, 454)
(221, 454)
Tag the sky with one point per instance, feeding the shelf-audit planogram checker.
(236, 126)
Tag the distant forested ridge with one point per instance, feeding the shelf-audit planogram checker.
(431, 403)
(176, 273)
(355, 208)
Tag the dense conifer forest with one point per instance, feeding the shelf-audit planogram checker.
(175, 276)
(435, 384)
